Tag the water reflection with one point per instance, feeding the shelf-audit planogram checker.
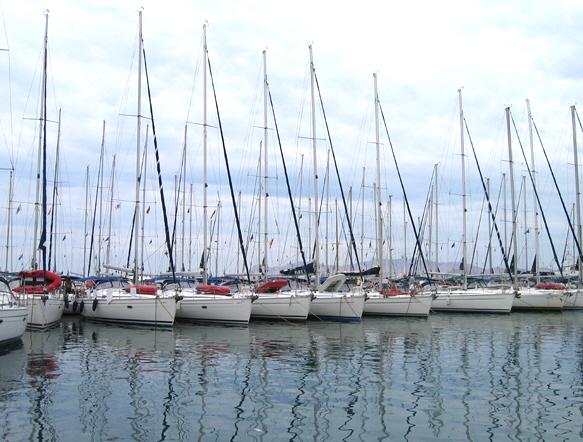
(459, 377)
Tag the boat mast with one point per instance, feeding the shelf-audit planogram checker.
(577, 189)
(513, 202)
(265, 165)
(315, 165)
(138, 148)
(183, 239)
(379, 211)
(112, 183)
(464, 202)
(534, 197)
(41, 142)
(86, 219)
(55, 212)
(390, 216)
(143, 181)
(436, 219)
(204, 162)
(8, 262)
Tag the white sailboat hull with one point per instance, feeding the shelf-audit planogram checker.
(284, 306)
(138, 309)
(338, 306)
(573, 300)
(44, 313)
(13, 322)
(220, 309)
(398, 305)
(473, 300)
(539, 299)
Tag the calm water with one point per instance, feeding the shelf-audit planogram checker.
(512, 377)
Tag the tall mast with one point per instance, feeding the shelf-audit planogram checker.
(378, 186)
(142, 242)
(8, 262)
(265, 165)
(55, 200)
(315, 165)
(112, 183)
(436, 217)
(513, 200)
(41, 142)
(86, 218)
(204, 163)
(390, 216)
(182, 241)
(138, 148)
(534, 199)
(464, 203)
(577, 188)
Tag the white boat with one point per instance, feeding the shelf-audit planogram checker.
(479, 300)
(276, 302)
(111, 299)
(329, 303)
(398, 303)
(13, 315)
(541, 297)
(207, 303)
(573, 300)
(38, 289)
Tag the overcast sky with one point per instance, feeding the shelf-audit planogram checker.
(501, 53)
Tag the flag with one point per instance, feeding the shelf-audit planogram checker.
(214, 213)
(20, 257)
(527, 231)
(270, 243)
(150, 242)
(64, 238)
(462, 264)
(370, 244)
(453, 245)
(117, 206)
(19, 208)
(148, 211)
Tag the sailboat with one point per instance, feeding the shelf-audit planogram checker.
(116, 299)
(461, 298)
(329, 302)
(38, 287)
(275, 300)
(384, 302)
(542, 296)
(204, 302)
(575, 301)
(13, 313)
